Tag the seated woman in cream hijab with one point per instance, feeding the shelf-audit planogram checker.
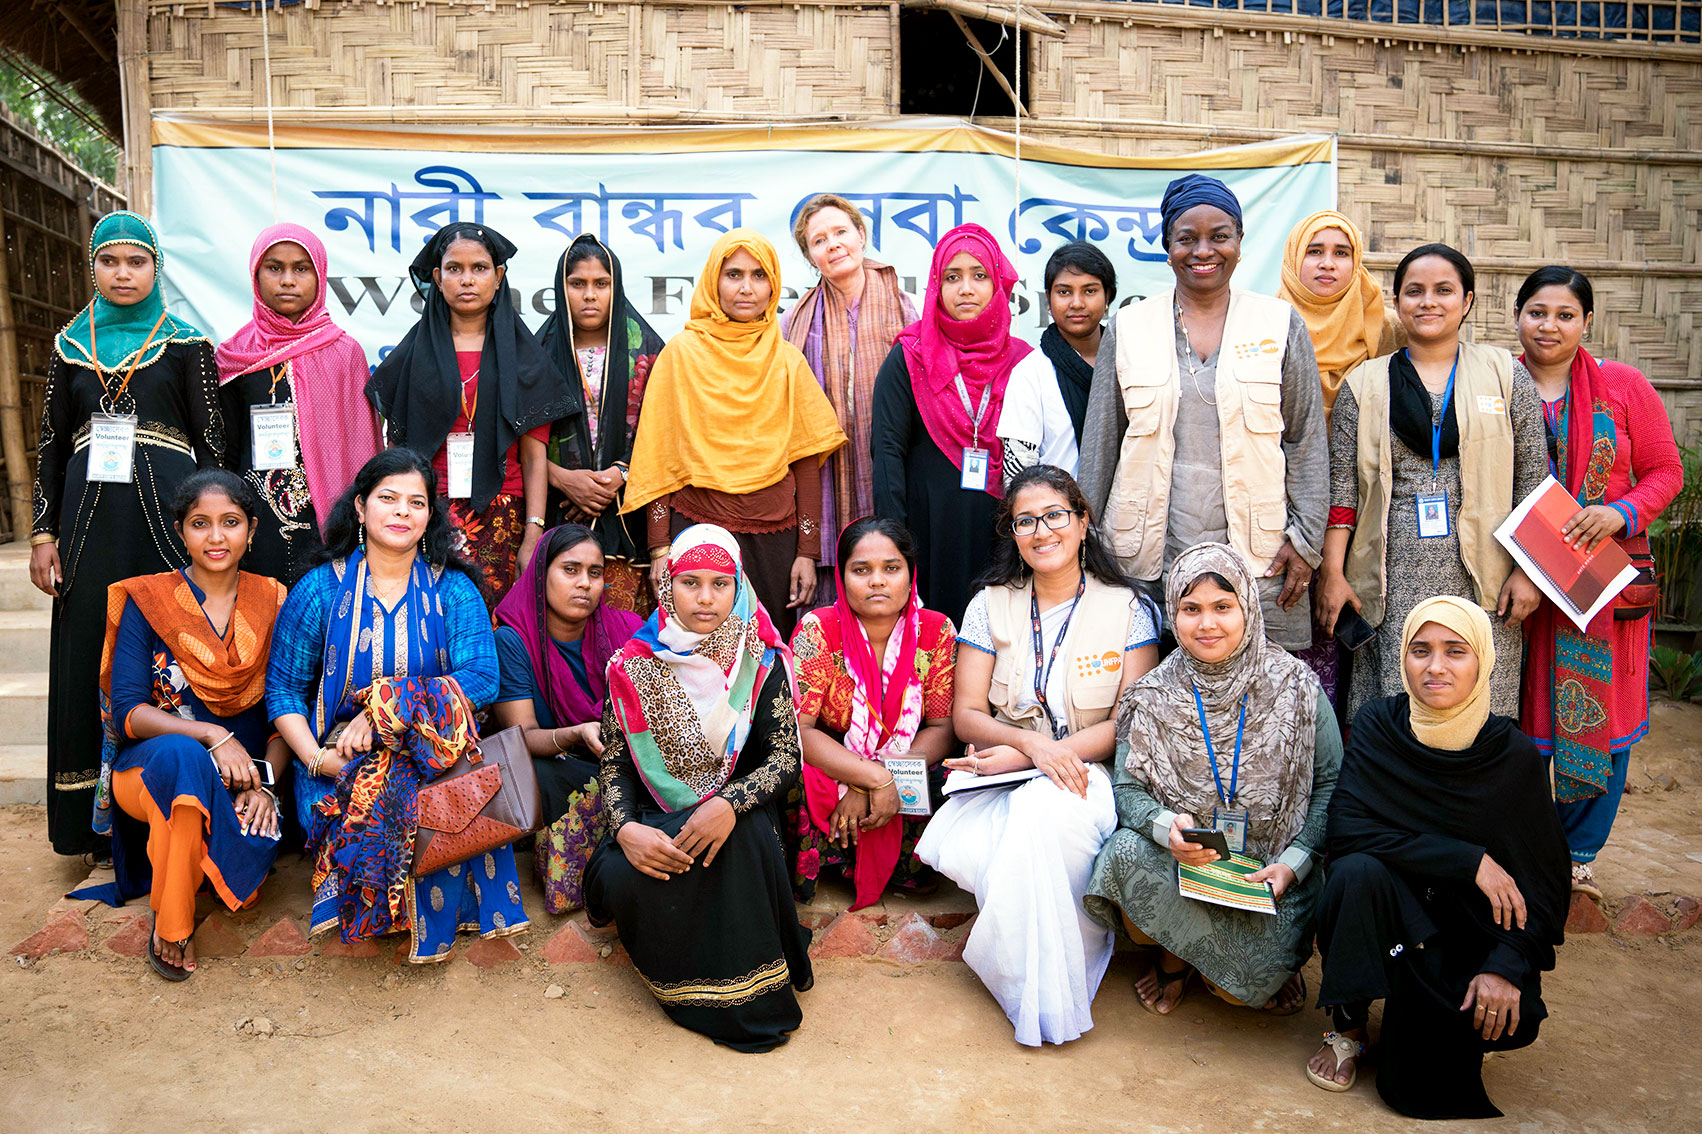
(1448, 881)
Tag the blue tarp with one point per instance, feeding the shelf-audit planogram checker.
(1592, 19)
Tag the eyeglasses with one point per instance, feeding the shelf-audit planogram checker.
(1056, 519)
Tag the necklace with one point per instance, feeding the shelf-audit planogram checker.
(1188, 352)
(387, 594)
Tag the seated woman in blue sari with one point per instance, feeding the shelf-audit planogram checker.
(183, 679)
(385, 654)
(555, 635)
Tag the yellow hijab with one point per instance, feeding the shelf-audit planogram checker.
(1346, 329)
(1452, 730)
(728, 405)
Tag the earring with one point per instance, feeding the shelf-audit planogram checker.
(363, 537)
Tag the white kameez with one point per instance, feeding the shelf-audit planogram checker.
(1026, 853)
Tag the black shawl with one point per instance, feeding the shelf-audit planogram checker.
(418, 385)
(1409, 410)
(631, 340)
(1431, 815)
(1075, 376)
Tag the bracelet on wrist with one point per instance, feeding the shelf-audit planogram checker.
(40, 538)
(211, 747)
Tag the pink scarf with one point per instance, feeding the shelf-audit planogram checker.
(894, 692)
(937, 348)
(339, 431)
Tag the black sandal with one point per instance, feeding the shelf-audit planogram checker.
(166, 969)
(1166, 978)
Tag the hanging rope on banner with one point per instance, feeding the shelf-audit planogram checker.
(271, 143)
(1016, 210)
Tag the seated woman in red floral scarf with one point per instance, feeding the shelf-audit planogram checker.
(874, 681)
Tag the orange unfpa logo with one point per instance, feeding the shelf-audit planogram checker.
(1096, 665)
(1253, 350)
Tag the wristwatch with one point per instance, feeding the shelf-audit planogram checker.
(539, 520)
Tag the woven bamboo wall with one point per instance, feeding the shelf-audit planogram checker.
(1517, 159)
(713, 59)
(1519, 150)
(47, 207)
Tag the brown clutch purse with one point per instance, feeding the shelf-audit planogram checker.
(478, 806)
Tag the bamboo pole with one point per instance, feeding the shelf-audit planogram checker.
(138, 105)
(987, 62)
(18, 480)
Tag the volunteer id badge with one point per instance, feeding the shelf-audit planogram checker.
(459, 449)
(910, 777)
(1432, 514)
(112, 447)
(273, 429)
(974, 470)
(1233, 823)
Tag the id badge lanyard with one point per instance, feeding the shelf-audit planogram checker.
(1043, 672)
(272, 428)
(1435, 503)
(1211, 755)
(974, 457)
(459, 446)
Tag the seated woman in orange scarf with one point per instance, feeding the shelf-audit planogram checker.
(734, 432)
(183, 677)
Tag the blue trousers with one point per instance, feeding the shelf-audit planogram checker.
(1588, 822)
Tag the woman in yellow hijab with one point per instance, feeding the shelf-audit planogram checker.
(734, 431)
(1324, 276)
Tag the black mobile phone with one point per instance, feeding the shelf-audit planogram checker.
(1352, 631)
(1209, 837)
(265, 770)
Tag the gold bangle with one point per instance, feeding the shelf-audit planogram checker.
(39, 538)
(890, 780)
(858, 790)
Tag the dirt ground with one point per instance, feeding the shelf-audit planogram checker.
(93, 1041)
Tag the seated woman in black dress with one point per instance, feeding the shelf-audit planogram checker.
(1448, 880)
(700, 748)
(554, 638)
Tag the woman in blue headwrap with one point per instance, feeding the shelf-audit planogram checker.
(131, 408)
(1205, 423)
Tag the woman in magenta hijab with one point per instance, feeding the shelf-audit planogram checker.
(554, 638)
(297, 425)
(937, 459)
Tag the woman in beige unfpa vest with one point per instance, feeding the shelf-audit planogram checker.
(1048, 643)
(1206, 421)
(1430, 448)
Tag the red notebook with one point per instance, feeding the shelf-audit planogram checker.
(1579, 582)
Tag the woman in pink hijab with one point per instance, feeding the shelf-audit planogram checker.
(937, 455)
(297, 425)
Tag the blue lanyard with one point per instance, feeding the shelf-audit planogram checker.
(1211, 755)
(1436, 428)
(1043, 668)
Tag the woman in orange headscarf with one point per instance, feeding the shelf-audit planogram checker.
(734, 431)
(1325, 278)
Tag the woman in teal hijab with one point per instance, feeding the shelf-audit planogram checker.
(131, 409)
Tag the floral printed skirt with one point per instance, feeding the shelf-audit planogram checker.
(564, 846)
(490, 539)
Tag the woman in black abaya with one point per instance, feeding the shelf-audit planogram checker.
(1448, 879)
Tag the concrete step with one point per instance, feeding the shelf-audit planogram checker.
(16, 590)
(25, 636)
(23, 707)
(23, 773)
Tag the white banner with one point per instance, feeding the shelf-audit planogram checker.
(661, 197)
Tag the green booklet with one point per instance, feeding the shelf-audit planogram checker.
(1225, 884)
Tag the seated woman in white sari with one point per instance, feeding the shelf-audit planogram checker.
(1047, 646)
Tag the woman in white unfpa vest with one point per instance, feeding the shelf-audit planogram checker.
(1206, 424)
